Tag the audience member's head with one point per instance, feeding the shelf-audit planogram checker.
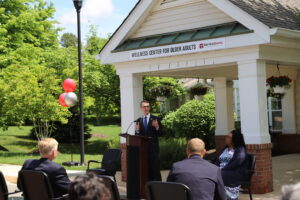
(235, 139)
(290, 192)
(88, 187)
(48, 148)
(195, 147)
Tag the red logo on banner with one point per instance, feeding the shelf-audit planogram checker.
(201, 46)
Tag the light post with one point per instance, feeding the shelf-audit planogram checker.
(78, 5)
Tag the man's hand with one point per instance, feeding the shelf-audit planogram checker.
(155, 124)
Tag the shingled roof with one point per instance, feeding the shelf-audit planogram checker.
(273, 13)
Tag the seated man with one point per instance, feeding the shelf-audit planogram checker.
(56, 173)
(88, 187)
(203, 178)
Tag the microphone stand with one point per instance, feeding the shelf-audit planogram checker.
(126, 133)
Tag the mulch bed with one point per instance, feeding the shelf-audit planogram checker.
(99, 135)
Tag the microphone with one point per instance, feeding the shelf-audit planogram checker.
(130, 126)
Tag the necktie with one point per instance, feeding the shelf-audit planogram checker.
(145, 123)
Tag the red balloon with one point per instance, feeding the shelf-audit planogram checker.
(62, 100)
(69, 85)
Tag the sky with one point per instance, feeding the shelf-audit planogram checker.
(106, 15)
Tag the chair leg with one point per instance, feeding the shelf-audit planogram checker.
(250, 193)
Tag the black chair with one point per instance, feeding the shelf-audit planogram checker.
(3, 188)
(157, 190)
(112, 186)
(246, 183)
(110, 164)
(36, 186)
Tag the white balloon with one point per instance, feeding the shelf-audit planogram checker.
(70, 99)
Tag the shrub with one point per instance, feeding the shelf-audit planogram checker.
(168, 124)
(171, 150)
(193, 119)
(114, 143)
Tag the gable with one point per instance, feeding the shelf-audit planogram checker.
(163, 18)
(177, 15)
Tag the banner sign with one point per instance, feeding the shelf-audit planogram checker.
(178, 49)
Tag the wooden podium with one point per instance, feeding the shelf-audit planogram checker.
(137, 165)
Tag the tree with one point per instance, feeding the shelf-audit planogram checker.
(33, 67)
(26, 22)
(101, 83)
(94, 43)
(101, 87)
(30, 92)
(68, 40)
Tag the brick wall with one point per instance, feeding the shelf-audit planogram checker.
(262, 180)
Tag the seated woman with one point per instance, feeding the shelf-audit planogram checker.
(233, 163)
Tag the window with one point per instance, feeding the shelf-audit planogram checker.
(275, 114)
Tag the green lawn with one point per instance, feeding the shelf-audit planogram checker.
(18, 143)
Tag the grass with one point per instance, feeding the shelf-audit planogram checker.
(17, 141)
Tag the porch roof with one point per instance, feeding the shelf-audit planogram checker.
(273, 13)
(221, 30)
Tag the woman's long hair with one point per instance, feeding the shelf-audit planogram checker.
(237, 139)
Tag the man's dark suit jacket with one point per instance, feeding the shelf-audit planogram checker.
(234, 172)
(154, 166)
(56, 173)
(203, 178)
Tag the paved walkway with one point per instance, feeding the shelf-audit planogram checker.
(286, 170)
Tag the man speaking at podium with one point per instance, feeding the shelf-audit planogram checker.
(150, 126)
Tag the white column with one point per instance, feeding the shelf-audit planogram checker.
(131, 89)
(253, 101)
(223, 106)
(288, 111)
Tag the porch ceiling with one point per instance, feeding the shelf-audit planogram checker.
(230, 72)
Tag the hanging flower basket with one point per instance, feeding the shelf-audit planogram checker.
(199, 90)
(198, 97)
(278, 90)
(275, 95)
(277, 85)
(281, 81)
(161, 92)
(161, 98)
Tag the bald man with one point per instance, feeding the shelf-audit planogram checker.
(203, 178)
